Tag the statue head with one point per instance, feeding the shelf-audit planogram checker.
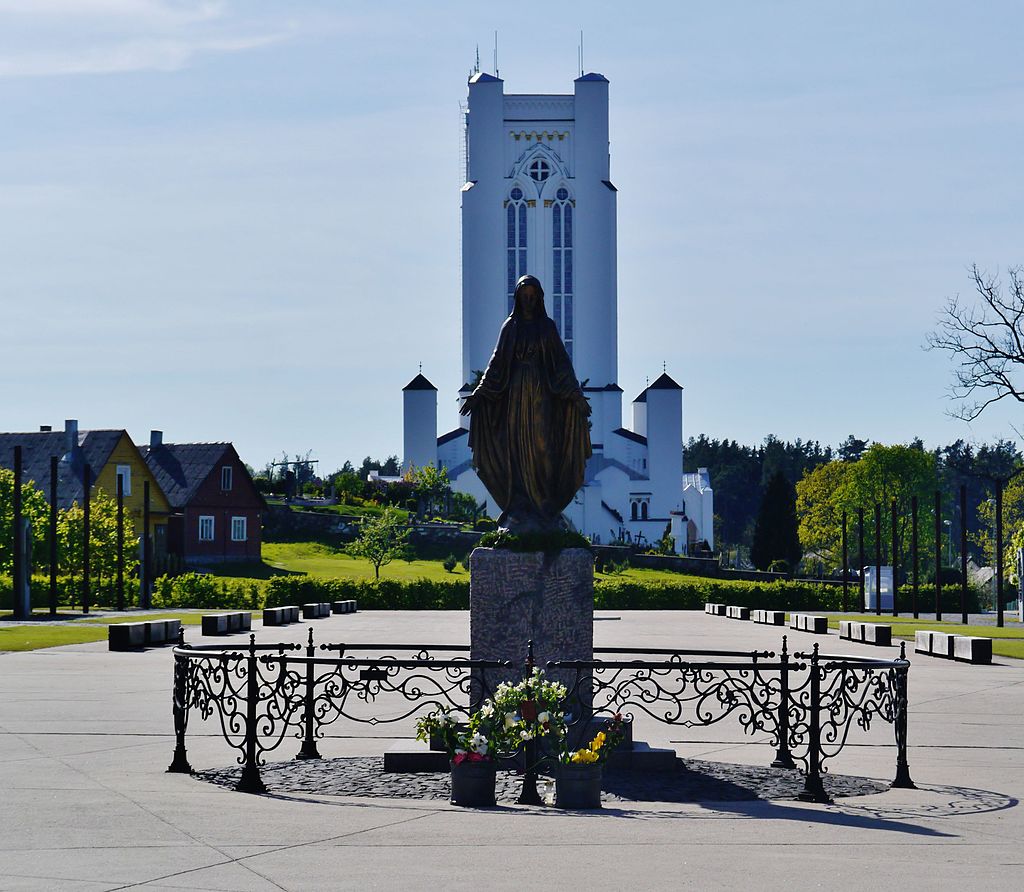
(529, 298)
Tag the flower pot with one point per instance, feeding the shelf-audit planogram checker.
(578, 786)
(473, 784)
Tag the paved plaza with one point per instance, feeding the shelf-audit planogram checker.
(86, 735)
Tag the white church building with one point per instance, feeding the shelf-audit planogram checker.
(538, 199)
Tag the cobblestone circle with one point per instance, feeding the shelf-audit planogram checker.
(690, 780)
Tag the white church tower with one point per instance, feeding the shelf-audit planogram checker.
(539, 199)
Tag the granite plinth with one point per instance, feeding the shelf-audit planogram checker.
(517, 597)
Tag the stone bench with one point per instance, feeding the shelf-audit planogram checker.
(809, 622)
(226, 623)
(769, 617)
(145, 633)
(280, 616)
(343, 607)
(737, 612)
(867, 633)
(715, 609)
(316, 611)
(962, 648)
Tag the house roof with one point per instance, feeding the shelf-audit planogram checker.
(642, 398)
(664, 382)
(592, 76)
(419, 383)
(452, 435)
(482, 77)
(181, 468)
(630, 435)
(93, 448)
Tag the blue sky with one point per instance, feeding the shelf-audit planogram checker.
(240, 220)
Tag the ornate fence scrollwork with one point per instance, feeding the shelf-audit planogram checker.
(261, 693)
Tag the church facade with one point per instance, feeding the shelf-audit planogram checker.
(538, 199)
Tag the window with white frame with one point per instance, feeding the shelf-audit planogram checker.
(562, 268)
(225, 478)
(124, 474)
(515, 240)
(206, 528)
(238, 529)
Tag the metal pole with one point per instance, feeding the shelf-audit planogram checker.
(814, 789)
(860, 574)
(309, 749)
(86, 531)
(783, 757)
(916, 557)
(54, 471)
(938, 555)
(529, 795)
(147, 553)
(878, 558)
(895, 562)
(19, 542)
(250, 781)
(846, 568)
(120, 542)
(900, 678)
(179, 764)
(963, 554)
(999, 553)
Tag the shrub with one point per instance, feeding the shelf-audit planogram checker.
(449, 563)
(207, 592)
(546, 542)
(778, 566)
(387, 594)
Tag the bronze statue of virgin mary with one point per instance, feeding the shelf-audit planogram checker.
(530, 433)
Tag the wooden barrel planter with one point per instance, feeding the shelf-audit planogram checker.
(473, 784)
(578, 786)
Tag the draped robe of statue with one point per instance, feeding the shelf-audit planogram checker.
(530, 433)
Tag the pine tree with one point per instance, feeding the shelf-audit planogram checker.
(776, 537)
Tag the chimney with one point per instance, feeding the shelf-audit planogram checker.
(71, 435)
(45, 428)
(156, 438)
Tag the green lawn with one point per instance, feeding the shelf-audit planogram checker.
(35, 637)
(187, 618)
(1005, 642)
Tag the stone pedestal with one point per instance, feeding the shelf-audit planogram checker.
(517, 597)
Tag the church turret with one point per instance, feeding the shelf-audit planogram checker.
(665, 444)
(419, 442)
(640, 414)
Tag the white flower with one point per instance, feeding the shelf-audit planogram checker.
(460, 752)
(510, 719)
(447, 719)
(487, 709)
(543, 718)
(526, 735)
(479, 743)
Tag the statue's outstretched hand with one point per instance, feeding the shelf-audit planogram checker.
(583, 403)
(467, 404)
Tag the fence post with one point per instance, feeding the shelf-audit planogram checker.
(146, 570)
(860, 569)
(783, 757)
(250, 781)
(179, 764)
(895, 565)
(902, 779)
(529, 794)
(814, 789)
(21, 576)
(916, 559)
(963, 553)
(999, 553)
(846, 568)
(120, 542)
(938, 555)
(309, 749)
(86, 533)
(53, 534)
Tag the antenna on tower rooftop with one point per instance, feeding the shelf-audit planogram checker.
(476, 68)
(496, 74)
(581, 52)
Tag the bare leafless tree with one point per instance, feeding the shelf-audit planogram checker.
(986, 340)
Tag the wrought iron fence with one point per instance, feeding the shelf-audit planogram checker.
(807, 703)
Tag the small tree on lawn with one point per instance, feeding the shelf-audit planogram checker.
(381, 539)
(775, 532)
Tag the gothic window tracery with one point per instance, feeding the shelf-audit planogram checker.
(515, 241)
(562, 266)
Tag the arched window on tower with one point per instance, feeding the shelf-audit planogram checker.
(515, 218)
(562, 266)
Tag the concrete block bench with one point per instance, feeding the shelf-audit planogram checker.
(145, 633)
(343, 607)
(868, 633)
(963, 648)
(769, 617)
(226, 623)
(280, 616)
(809, 622)
(715, 609)
(316, 611)
(737, 612)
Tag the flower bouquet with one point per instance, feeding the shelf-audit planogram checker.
(472, 752)
(578, 778)
(529, 709)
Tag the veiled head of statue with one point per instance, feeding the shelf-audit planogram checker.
(529, 298)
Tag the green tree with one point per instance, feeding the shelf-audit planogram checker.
(381, 539)
(820, 512)
(34, 508)
(775, 530)
(431, 486)
(102, 541)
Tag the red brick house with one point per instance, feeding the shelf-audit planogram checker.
(218, 511)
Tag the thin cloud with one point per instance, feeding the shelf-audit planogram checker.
(156, 12)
